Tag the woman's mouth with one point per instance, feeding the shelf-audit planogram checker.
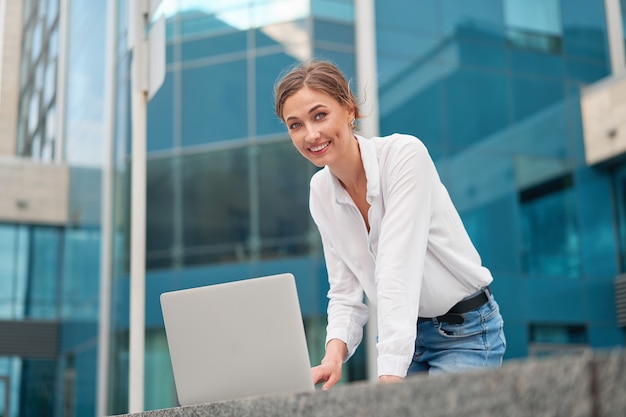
(320, 147)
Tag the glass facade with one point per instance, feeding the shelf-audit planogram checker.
(492, 87)
(227, 194)
(49, 273)
(38, 76)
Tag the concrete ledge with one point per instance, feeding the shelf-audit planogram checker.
(33, 192)
(592, 384)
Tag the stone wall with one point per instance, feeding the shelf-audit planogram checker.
(592, 384)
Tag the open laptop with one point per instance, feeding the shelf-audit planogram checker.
(238, 339)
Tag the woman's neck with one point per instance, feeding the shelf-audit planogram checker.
(351, 173)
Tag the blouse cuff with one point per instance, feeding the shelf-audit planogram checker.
(393, 365)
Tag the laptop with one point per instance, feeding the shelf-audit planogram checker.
(238, 339)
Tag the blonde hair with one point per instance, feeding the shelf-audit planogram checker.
(322, 76)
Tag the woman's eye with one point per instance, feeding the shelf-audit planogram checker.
(294, 125)
(320, 116)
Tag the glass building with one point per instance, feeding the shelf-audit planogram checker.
(492, 87)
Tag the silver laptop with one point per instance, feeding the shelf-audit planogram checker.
(238, 339)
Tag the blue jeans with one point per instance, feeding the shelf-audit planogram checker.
(478, 342)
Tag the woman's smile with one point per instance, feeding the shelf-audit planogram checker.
(318, 149)
(316, 121)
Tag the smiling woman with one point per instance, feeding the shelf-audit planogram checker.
(319, 126)
(391, 232)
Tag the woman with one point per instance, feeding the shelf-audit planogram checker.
(389, 230)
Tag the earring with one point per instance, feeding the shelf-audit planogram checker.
(352, 122)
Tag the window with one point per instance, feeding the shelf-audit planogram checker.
(550, 238)
(36, 119)
(4, 396)
(551, 339)
(622, 4)
(534, 24)
(619, 187)
(215, 206)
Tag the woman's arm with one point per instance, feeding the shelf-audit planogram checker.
(407, 175)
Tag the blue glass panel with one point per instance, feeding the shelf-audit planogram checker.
(599, 249)
(536, 63)
(600, 297)
(622, 4)
(468, 120)
(216, 206)
(533, 95)
(538, 16)
(84, 127)
(534, 24)
(81, 264)
(478, 19)
(159, 388)
(545, 132)
(345, 62)
(575, 128)
(85, 363)
(122, 111)
(584, 29)
(572, 334)
(215, 45)
(171, 24)
(37, 387)
(170, 56)
(406, 45)
(412, 103)
(585, 71)
(480, 55)
(338, 10)
(43, 282)
(85, 197)
(489, 227)
(333, 32)
(268, 70)
(22, 272)
(548, 300)
(160, 212)
(9, 254)
(214, 103)
(160, 125)
(550, 230)
(283, 180)
(413, 16)
(4, 396)
(197, 23)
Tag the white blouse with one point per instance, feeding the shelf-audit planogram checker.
(416, 260)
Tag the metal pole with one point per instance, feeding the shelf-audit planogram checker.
(615, 34)
(106, 222)
(138, 20)
(367, 77)
(59, 154)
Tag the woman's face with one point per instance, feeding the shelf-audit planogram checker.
(319, 126)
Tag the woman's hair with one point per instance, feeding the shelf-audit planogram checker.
(321, 76)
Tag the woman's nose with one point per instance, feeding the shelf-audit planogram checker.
(312, 133)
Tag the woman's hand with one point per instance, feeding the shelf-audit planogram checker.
(386, 379)
(329, 371)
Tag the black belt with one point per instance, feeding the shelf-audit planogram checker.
(454, 316)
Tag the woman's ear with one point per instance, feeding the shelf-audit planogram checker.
(350, 114)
